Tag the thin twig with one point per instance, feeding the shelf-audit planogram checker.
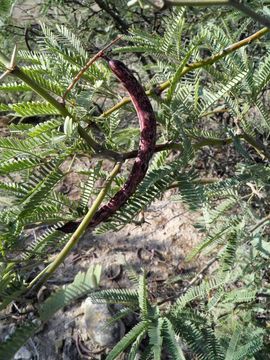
(239, 5)
(200, 273)
(201, 181)
(198, 276)
(261, 19)
(88, 64)
(10, 67)
(158, 148)
(256, 144)
(100, 150)
(260, 223)
(120, 23)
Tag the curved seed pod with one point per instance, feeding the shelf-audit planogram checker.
(147, 123)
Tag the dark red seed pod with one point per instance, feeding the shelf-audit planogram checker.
(147, 123)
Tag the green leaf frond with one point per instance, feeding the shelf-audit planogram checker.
(127, 340)
(225, 188)
(13, 188)
(69, 40)
(213, 239)
(19, 128)
(13, 146)
(64, 202)
(44, 181)
(147, 354)
(17, 164)
(228, 256)
(173, 32)
(156, 338)
(233, 345)
(210, 99)
(170, 342)
(44, 127)
(177, 76)
(11, 283)
(116, 296)
(158, 160)
(199, 291)
(168, 45)
(143, 42)
(191, 192)
(216, 215)
(240, 296)
(14, 86)
(142, 297)
(89, 186)
(250, 348)
(119, 315)
(58, 40)
(215, 37)
(32, 57)
(33, 109)
(6, 6)
(51, 238)
(43, 214)
(201, 340)
(134, 349)
(46, 81)
(265, 125)
(4, 108)
(261, 76)
(57, 43)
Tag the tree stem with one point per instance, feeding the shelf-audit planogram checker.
(260, 223)
(193, 66)
(17, 72)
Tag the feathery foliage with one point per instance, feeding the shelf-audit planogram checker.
(214, 98)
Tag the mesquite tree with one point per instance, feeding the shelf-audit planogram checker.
(194, 75)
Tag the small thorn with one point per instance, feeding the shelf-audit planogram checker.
(4, 74)
(13, 57)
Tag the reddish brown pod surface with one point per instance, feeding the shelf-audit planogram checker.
(147, 123)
